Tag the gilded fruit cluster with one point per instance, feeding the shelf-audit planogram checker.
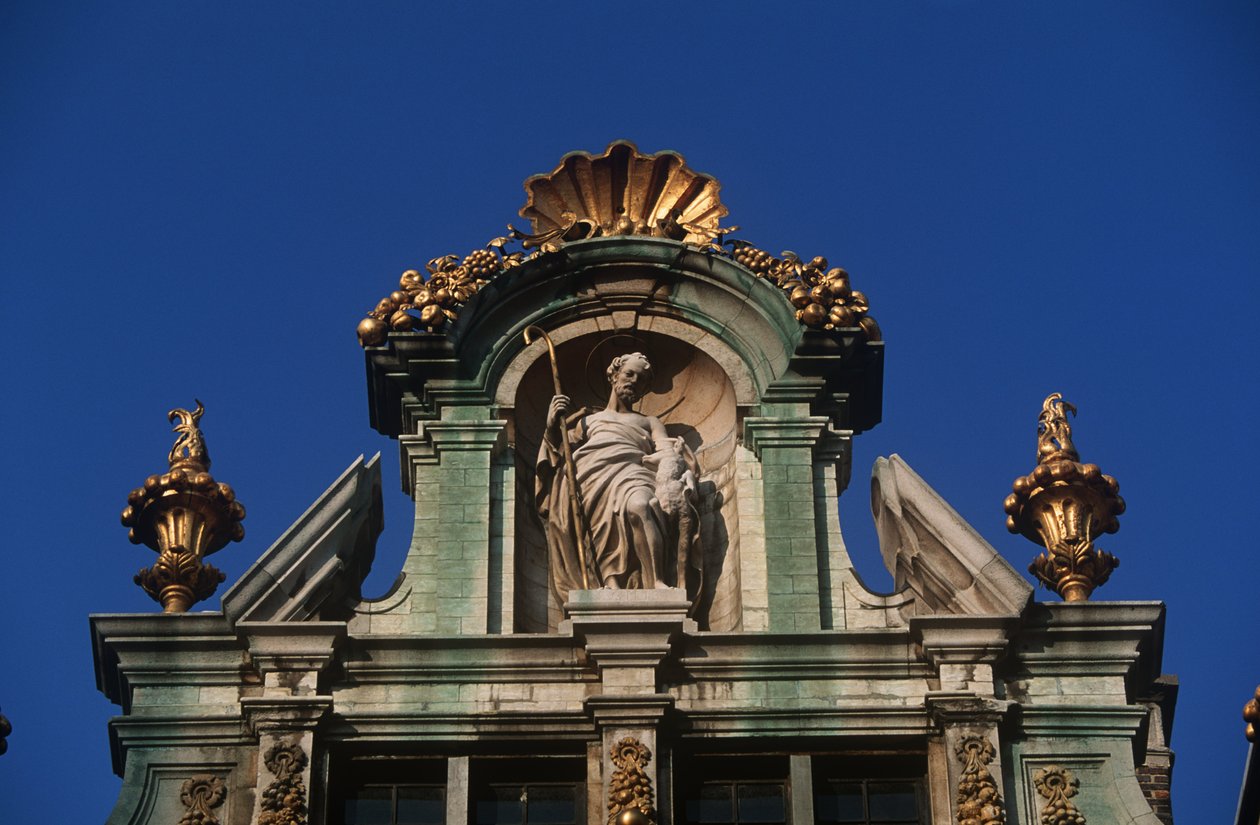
(824, 298)
(433, 299)
(284, 800)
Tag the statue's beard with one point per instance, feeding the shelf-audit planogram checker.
(625, 393)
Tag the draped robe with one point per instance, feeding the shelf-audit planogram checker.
(608, 455)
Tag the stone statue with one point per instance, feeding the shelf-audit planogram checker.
(636, 492)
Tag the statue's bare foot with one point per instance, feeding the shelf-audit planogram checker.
(660, 585)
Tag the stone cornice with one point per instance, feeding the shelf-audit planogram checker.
(145, 649)
(1121, 639)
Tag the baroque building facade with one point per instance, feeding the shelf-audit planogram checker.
(635, 608)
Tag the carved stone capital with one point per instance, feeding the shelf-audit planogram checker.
(964, 648)
(291, 655)
(283, 714)
(783, 433)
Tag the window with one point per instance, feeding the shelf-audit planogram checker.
(732, 790)
(384, 791)
(728, 803)
(396, 805)
(527, 804)
(543, 791)
(866, 801)
(879, 789)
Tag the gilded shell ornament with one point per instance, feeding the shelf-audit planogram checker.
(624, 192)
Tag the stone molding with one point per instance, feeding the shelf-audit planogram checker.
(321, 559)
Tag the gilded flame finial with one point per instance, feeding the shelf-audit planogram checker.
(1054, 433)
(183, 515)
(1064, 505)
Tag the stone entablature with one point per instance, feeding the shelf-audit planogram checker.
(192, 707)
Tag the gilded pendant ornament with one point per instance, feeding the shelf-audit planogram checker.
(630, 795)
(979, 801)
(184, 515)
(284, 800)
(200, 795)
(1063, 506)
(1058, 786)
(621, 192)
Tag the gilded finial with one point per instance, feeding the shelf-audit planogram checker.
(190, 447)
(183, 515)
(1063, 506)
(1054, 433)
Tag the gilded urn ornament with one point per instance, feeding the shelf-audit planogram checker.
(184, 515)
(1064, 505)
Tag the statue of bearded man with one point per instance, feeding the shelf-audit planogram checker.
(636, 492)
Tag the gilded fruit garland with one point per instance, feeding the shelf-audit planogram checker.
(284, 800)
(200, 795)
(978, 799)
(630, 796)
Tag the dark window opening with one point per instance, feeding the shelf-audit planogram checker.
(537, 792)
(874, 791)
(728, 790)
(392, 792)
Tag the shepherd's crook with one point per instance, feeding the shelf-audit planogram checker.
(575, 506)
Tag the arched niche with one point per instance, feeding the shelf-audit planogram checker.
(717, 337)
(693, 394)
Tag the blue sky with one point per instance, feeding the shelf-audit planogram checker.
(201, 200)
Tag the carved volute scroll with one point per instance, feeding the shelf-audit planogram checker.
(630, 796)
(979, 800)
(284, 800)
(200, 795)
(1057, 786)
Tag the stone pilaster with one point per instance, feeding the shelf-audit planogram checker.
(290, 658)
(785, 447)
(965, 762)
(627, 633)
(451, 468)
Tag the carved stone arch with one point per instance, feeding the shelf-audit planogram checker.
(631, 282)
